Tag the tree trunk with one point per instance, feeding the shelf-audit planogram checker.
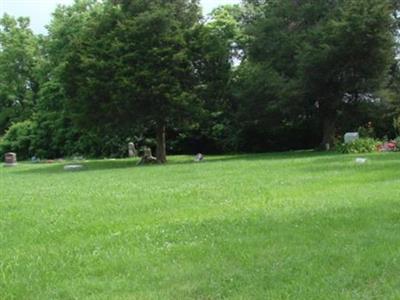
(329, 131)
(161, 144)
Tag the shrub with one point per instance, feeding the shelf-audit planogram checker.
(18, 139)
(363, 145)
(366, 131)
(397, 141)
(389, 146)
(50, 135)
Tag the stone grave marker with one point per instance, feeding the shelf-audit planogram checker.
(147, 157)
(73, 167)
(10, 159)
(132, 150)
(350, 137)
(199, 157)
(361, 160)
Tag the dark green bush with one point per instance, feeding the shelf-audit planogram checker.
(363, 145)
(51, 136)
(367, 131)
(18, 139)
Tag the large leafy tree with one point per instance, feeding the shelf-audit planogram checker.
(214, 51)
(271, 113)
(156, 76)
(56, 133)
(19, 57)
(128, 64)
(346, 58)
(325, 53)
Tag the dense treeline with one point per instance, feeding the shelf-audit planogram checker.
(261, 76)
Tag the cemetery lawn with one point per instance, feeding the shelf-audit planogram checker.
(299, 225)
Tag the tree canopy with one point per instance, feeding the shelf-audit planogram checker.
(19, 55)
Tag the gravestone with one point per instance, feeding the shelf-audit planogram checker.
(35, 160)
(147, 157)
(73, 167)
(350, 137)
(199, 157)
(10, 159)
(361, 160)
(132, 150)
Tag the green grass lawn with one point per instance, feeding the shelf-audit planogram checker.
(273, 226)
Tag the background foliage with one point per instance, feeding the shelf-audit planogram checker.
(260, 76)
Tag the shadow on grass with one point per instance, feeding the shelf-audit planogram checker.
(321, 161)
(94, 165)
(98, 165)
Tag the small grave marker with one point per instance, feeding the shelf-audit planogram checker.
(350, 137)
(73, 167)
(147, 157)
(199, 157)
(361, 160)
(10, 159)
(132, 150)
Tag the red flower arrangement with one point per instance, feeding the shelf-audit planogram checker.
(388, 147)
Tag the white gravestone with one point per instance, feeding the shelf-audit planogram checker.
(351, 137)
(73, 167)
(361, 160)
(132, 150)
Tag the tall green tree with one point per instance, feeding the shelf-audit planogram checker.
(128, 65)
(156, 74)
(329, 53)
(347, 58)
(19, 57)
(214, 52)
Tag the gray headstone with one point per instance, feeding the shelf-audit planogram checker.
(199, 157)
(147, 157)
(10, 159)
(350, 137)
(361, 160)
(73, 167)
(132, 150)
(35, 159)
